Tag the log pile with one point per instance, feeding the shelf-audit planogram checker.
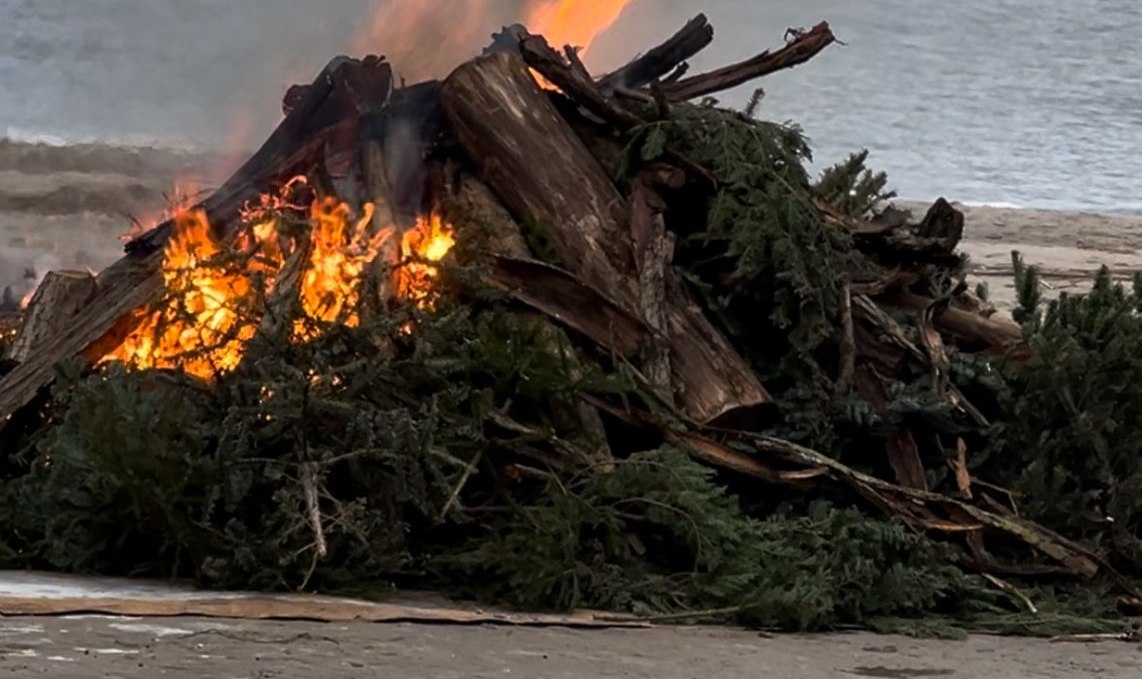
(613, 275)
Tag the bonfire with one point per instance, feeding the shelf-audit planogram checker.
(530, 308)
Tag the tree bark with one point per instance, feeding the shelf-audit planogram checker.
(60, 296)
(531, 158)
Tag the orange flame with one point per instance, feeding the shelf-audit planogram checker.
(429, 241)
(573, 22)
(212, 290)
(339, 254)
(203, 329)
(428, 39)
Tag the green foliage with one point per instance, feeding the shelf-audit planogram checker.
(153, 474)
(659, 536)
(760, 246)
(120, 472)
(853, 188)
(1069, 438)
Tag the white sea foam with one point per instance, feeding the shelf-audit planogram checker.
(56, 138)
(998, 204)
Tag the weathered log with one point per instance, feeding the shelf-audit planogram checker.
(509, 129)
(977, 332)
(571, 302)
(804, 46)
(60, 296)
(135, 281)
(660, 61)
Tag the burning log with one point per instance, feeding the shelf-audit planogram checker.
(136, 281)
(506, 125)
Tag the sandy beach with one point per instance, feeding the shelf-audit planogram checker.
(68, 207)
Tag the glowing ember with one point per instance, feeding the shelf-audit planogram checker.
(207, 317)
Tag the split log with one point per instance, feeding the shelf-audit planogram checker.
(328, 113)
(804, 46)
(509, 129)
(60, 296)
(135, 281)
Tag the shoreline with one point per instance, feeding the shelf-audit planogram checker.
(74, 202)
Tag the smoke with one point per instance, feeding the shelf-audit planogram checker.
(427, 40)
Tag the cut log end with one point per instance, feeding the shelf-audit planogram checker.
(60, 296)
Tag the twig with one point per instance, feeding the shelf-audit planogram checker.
(1010, 589)
(454, 497)
(1131, 635)
(313, 511)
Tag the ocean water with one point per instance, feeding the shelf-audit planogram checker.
(1033, 103)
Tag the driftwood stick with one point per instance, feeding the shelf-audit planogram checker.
(663, 59)
(548, 63)
(803, 47)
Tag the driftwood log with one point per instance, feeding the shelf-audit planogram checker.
(509, 129)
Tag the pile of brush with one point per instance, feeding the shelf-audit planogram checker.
(664, 370)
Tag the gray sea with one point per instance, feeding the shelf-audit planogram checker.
(1034, 103)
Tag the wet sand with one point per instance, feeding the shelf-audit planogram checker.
(74, 204)
(91, 647)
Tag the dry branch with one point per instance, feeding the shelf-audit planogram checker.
(663, 59)
(803, 47)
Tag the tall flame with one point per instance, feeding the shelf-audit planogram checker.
(202, 328)
(428, 39)
(573, 22)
